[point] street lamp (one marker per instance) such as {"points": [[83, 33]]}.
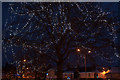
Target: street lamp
{"points": [[24, 60], [89, 51], [85, 60], [78, 50]]}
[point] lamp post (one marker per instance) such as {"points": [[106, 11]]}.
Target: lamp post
{"points": [[78, 50], [86, 60]]}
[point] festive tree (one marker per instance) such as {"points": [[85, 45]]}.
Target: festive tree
{"points": [[47, 30], [57, 29], [97, 30]]}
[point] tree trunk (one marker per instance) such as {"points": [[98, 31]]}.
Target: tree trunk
{"points": [[59, 70], [35, 75]]}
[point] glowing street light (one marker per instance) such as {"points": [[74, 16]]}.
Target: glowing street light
{"points": [[89, 51], [78, 50], [27, 68], [24, 60]]}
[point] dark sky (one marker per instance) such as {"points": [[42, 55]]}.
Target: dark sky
{"points": [[112, 7]]}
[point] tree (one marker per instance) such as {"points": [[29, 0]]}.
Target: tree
{"points": [[47, 30], [9, 70], [96, 30], [56, 29]]}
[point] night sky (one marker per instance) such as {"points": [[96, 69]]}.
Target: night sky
{"points": [[100, 56]]}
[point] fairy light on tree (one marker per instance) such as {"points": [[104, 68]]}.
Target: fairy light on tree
{"points": [[56, 29], [96, 20]]}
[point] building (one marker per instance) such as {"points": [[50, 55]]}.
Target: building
{"points": [[51, 74], [114, 72]]}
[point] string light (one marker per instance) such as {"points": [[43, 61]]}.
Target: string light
{"points": [[24, 28]]}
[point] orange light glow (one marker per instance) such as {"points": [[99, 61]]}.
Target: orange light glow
{"points": [[103, 72], [106, 72], [24, 60], [78, 50], [89, 51], [23, 76]]}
